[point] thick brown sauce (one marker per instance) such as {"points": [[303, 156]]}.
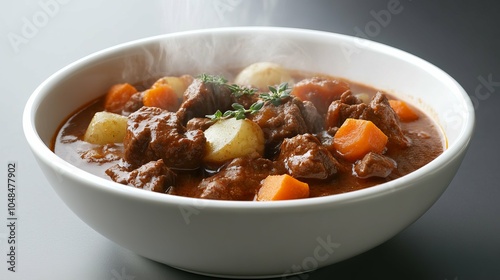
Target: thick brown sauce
{"points": [[428, 143]]}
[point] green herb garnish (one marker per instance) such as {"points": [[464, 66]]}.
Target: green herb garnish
{"points": [[239, 91], [214, 79], [276, 94], [238, 113]]}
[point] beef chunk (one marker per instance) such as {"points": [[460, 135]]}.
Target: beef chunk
{"points": [[348, 106], [133, 104], [153, 134], [246, 100], [314, 121], [384, 117], [199, 123], [374, 165], [239, 180], [326, 140], [349, 98], [201, 99], [378, 111], [304, 157], [280, 122], [152, 176]]}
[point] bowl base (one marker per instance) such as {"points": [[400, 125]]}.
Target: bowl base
{"points": [[231, 276]]}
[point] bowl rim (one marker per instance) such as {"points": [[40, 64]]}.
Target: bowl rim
{"points": [[44, 153]]}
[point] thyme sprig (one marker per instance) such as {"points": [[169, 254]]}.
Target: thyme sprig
{"points": [[238, 113], [214, 79], [276, 94], [239, 91], [235, 89]]}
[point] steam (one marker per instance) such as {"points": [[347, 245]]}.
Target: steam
{"points": [[207, 53], [199, 14]]}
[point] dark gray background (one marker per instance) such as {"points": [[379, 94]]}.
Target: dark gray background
{"points": [[457, 239]]}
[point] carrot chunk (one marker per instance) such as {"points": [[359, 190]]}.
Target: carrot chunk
{"points": [[117, 96], [161, 96], [355, 138], [403, 110], [282, 187]]}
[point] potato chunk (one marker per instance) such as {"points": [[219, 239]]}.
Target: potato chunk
{"points": [[178, 84], [232, 138], [106, 128], [262, 75]]}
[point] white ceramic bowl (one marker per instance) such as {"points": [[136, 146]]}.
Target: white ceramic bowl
{"points": [[249, 239]]}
